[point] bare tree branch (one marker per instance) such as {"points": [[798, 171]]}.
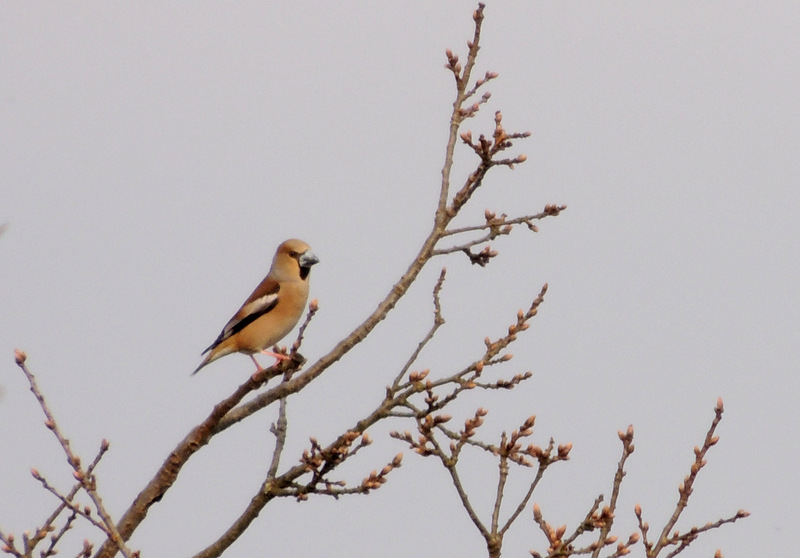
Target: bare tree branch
{"points": [[85, 477], [420, 396], [678, 540]]}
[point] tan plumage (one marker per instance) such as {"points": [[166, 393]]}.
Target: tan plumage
{"points": [[272, 310]]}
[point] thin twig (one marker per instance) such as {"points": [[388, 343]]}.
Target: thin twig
{"points": [[55, 538], [438, 321], [685, 539], [685, 489], [627, 449], [502, 477], [313, 307], [279, 429], [525, 499], [450, 464], [682, 541], [73, 507], [86, 477]]}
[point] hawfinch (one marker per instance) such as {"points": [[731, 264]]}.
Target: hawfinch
{"points": [[273, 309]]}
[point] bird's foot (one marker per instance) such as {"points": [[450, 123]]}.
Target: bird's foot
{"points": [[278, 356]]}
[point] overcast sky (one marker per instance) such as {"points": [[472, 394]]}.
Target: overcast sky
{"points": [[153, 155]]}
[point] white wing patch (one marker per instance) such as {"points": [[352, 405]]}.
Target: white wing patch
{"points": [[259, 305], [253, 309]]}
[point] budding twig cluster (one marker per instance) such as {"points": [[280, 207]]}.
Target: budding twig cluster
{"points": [[669, 538], [487, 150], [561, 545], [438, 393], [493, 348], [86, 482], [494, 226], [425, 397], [510, 449], [419, 382], [376, 479], [602, 519], [596, 519], [433, 438], [462, 76], [321, 461]]}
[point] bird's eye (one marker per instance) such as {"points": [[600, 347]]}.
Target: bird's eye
{"points": [[293, 254]]}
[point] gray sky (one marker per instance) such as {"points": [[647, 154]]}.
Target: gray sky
{"points": [[152, 157]]}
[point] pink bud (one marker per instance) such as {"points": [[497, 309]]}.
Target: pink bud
{"points": [[19, 357]]}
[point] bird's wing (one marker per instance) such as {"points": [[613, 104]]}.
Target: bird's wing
{"points": [[263, 300]]}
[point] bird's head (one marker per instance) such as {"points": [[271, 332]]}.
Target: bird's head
{"points": [[296, 255]]}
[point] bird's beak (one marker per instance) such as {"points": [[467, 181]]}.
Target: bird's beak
{"points": [[307, 259]]}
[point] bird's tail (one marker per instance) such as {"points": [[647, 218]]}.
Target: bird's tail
{"points": [[214, 352], [206, 360]]}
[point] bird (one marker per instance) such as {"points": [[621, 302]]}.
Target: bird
{"points": [[271, 311]]}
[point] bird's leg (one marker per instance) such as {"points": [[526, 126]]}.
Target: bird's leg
{"points": [[258, 366]]}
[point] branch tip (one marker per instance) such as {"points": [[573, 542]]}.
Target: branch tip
{"points": [[20, 357]]}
